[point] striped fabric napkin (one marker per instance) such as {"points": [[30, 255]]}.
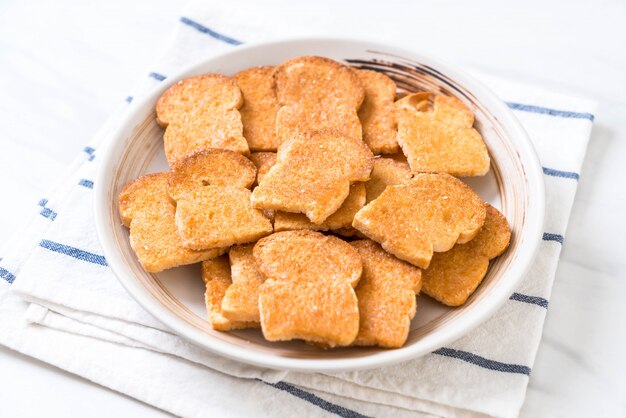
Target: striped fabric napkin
{"points": [[60, 303]]}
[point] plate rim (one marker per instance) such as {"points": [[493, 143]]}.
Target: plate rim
{"points": [[455, 330]]}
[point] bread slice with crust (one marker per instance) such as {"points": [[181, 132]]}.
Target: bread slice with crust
{"points": [[263, 162], [212, 202], [386, 172], [241, 301], [199, 113], [429, 213], [308, 292], [386, 294], [313, 174], [146, 208], [453, 276], [260, 107], [436, 134], [217, 280], [377, 112]]}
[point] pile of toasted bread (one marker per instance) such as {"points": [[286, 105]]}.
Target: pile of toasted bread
{"points": [[319, 203]]}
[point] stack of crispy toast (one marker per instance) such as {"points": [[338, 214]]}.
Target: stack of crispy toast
{"points": [[319, 203]]}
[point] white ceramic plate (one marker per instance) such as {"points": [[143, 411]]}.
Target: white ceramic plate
{"points": [[514, 185]]}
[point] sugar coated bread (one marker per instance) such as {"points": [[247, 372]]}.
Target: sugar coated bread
{"points": [[377, 112], [217, 280], [308, 292], [340, 221], [429, 213], [313, 174], [454, 275], [259, 109], [386, 294], [241, 301], [439, 136], [386, 172], [263, 162], [199, 113], [317, 93], [212, 202], [146, 208]]}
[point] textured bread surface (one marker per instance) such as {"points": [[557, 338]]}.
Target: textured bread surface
{"points": [[312, 175], [241, 302], [429, 213], [386, 295], [146, 208], [263, 162], [453, 276], [201, 112], [217, 280], [340, 221], [440, 137], [377, 112], [386, 172], [213, 206], [259, 109], [308, 292]]}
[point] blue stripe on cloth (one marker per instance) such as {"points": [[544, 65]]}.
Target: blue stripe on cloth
{"points": [[48, 213], [547, 236], [73, 252], [548, 111], [316, 400], [157, 76], [90, 151], [535, 300], [558, 173], [43, 202], [129, 99], [7, 275], [483, 362], [86, 183], [210, 32]]}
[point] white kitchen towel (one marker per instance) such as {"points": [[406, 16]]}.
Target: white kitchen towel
{"points": [[60, 303]]}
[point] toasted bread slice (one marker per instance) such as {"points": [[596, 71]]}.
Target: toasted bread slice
{"points": [[377, 112], [440, 137], [316, 94], [199, 113], [241, 301], [263, 162], [313, 174], [340, 221], [386, 172], [429, 213], [259, 109], [386, 295], [217, 279], [308, 293], [210, 214], [453, 276], [146, 208]]}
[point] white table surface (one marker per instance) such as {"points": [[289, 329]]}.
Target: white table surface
{"points": [[65, 65]]}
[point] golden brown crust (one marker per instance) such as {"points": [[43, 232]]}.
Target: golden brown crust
{"points": [[339, 221], [308, 293], [263, 162], [199, 113], [217, 279], [386, 172], [386, 295], [259, 109], [429, 213], [313, 174], [146, 208], [453, 276], [440, 137], [241, 301], [212, 204], [377, 112]]}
